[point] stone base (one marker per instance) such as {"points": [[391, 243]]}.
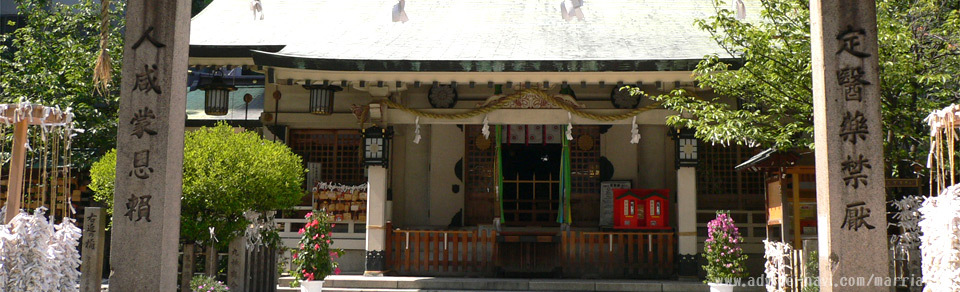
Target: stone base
{"points": [[375, 261]]}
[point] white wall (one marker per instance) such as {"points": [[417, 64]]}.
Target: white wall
{"points": [[446, 148]]}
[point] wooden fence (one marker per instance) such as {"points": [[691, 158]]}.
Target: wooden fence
{"points": [[439, 252], [582, 254], [618, 254]]}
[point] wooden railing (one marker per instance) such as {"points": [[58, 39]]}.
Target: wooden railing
{"points": [[618, 254], [439, 252]]}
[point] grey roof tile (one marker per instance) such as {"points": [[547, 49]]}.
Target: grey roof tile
{"points": [[473, 30]]}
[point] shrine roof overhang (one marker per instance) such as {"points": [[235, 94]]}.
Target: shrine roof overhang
{"points": [[262, 58], [769, 159]]}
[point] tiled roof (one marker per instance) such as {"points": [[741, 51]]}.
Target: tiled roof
{"points": [[463, 30]]}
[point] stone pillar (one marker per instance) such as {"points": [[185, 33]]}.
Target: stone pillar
{"points": [[687, 209], [212, 264], [376, 234], [687, 220], [146, 219], [189, 261], [851, 212], [237, 261], [91, 261]]}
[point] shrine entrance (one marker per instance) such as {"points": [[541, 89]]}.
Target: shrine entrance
{"points": [[531, 157]]}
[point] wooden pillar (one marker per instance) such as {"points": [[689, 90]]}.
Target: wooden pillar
{"points": [[795, 216], [15, 183]]}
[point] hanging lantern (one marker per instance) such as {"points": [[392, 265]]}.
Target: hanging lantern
{"points": [[376, 145], [321, 98], [686, 148], [217, 95]]}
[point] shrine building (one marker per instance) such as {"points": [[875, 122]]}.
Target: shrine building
{"points": [[494, 138]]}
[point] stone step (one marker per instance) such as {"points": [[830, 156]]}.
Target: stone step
{"points": [[287, 289], [404, 284], [285, 281]]}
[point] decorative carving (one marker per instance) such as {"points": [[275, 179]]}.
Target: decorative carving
{"points": [[532, 100], [442, 96]]}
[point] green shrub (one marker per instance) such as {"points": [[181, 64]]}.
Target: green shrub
{"points": [[207, 284]]}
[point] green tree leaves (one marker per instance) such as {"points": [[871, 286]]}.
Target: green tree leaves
{"points": [[769, 101], [226, 172], [50, 61]]}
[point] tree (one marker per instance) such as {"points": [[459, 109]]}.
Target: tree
{"points": [[225, 173], [769, 100], [50, 60]]}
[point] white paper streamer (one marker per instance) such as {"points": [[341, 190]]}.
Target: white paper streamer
{"points": [[329, 186], [569, 127], [416, 137], [940, 241], [634, 132], [38, 256], [486, 128]]}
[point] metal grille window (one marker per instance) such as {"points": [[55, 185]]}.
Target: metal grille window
{"points": [[337, 152], [719, 186]]}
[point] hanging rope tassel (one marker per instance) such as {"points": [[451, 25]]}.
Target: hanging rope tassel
{"points": [[102, 71]]}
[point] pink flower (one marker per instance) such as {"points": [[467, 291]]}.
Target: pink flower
{"points": [[301, 231], [316, 246], [315, 236], [308, 215], [333, 255], [321, 236], [333, 225], [336, 271], [328, 241], [294, 256]]}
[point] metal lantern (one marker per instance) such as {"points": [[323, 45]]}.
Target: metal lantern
{"points": [[376, 145], [321, 98], [217, 94], [686, 148]]}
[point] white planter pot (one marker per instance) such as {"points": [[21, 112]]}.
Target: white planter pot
{"points": [[717, 287], [311, 286]]}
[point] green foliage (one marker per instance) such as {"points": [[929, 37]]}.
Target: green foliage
{"points": [[314, 259], [102, 178], [813, 272], [50, 61], [725, 258], [919, 60], [225, 173], [207, 284]]}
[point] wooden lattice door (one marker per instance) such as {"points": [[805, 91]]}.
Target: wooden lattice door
{"points": [[479, 163], [585, 175]]}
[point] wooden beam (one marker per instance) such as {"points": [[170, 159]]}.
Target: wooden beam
{"points": [[16, 171]]}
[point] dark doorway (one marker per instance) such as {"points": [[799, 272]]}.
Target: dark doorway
{"points": [[531, 184]]}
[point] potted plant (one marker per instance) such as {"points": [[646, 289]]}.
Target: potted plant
{"points": [[725, 258], [314, 259]]}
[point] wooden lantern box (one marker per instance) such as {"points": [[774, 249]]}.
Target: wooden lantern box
{"points": [[641, 209]]}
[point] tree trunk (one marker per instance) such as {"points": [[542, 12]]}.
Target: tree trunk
{"points": [[189, 257], [211, 269]]}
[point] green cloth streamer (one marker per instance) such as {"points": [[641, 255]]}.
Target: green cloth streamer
{"points": [[499, 170], [565, 183]]}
